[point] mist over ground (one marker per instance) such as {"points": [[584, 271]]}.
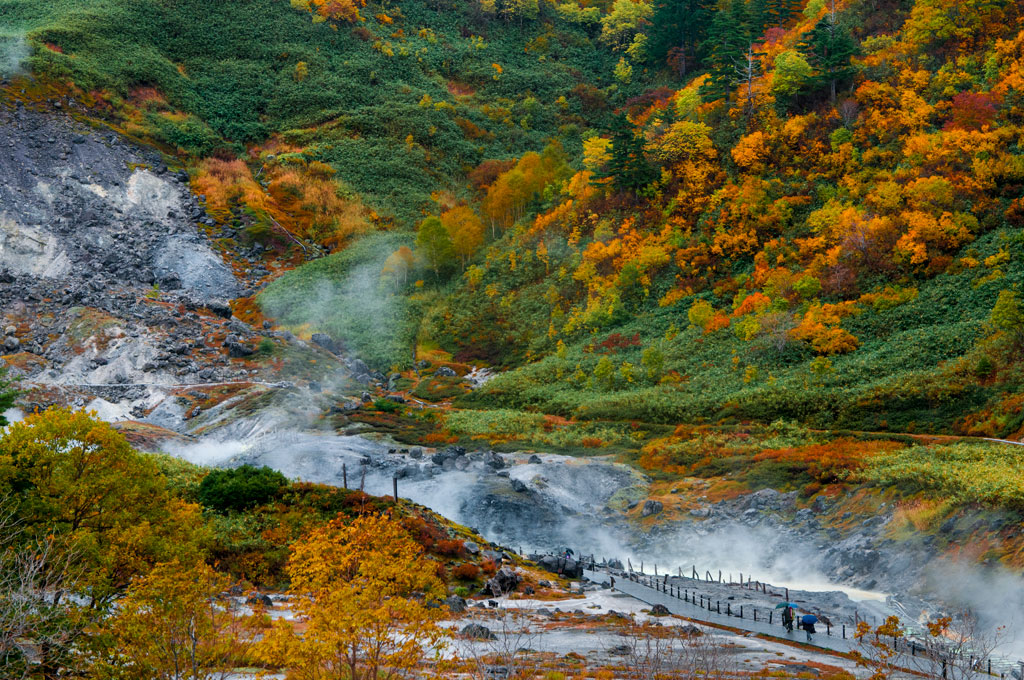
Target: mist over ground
{"points": [[564, 506], [14, 51]]}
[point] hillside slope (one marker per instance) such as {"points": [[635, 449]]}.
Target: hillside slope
{"points": [[778, 211]]}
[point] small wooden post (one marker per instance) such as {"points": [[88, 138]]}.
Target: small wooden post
{"points": [[787, 594], [655, 568], [755, 614], [844, 631], [394, 482], [771, 615], [344, 475], [741, 611], [719, 575], [728, 609], [718, 606]]}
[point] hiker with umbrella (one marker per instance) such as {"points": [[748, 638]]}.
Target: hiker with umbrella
{"points": [[787, 615], [807, 621]]}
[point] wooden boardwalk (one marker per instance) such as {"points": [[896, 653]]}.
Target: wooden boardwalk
{"points": [[691, 610]]}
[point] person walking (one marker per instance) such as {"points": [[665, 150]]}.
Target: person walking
{"points": [[787, 619], [808, 624]]}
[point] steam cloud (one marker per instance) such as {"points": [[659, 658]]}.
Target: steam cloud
{"points": [[14, 50]]}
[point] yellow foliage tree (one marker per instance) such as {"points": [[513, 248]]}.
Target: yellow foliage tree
{"points": [[75, 476], [465, 230], [354, 586], [174, 624], [751, 151]]}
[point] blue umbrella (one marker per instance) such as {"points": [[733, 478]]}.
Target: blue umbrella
{"points": [[808, 619]]}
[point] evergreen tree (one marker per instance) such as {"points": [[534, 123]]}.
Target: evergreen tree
{"points": [[677, 29], [728, 37], [628, 167], [765, 14], [829, 46]]}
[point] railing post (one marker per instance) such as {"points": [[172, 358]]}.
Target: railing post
{"points": [[844, 631]]}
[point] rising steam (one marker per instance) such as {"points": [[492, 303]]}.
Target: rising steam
{"points": [[14, 51]]}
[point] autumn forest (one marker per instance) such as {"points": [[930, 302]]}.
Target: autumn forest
{"points": [[730, 246]]}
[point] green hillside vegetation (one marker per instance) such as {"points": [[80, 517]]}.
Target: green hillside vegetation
{"points": [[662, 212], [464, 88]]}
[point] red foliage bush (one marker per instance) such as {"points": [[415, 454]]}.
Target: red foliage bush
{"points": [[616, 341], [830, 462], [466, 572], [971, 111], [449, 548], [484, 174]]}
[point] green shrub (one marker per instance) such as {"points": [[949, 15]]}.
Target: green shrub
{"points": [[386, 406], [240, 488]]}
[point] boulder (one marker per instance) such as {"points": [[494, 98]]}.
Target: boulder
{"points": [[505, 581], [455, 604], [493, 460], [561, 565], [236, 348], [660, 610], [475, 631], [471, 547], [534, 460], [651, 508], [218, 307], [519, 487], [261, 600], [445, 372]]}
